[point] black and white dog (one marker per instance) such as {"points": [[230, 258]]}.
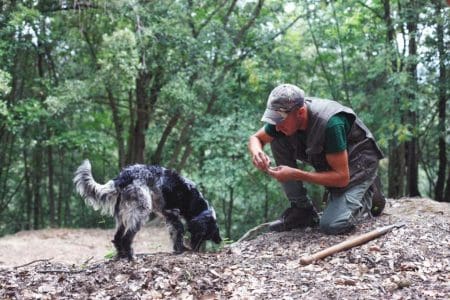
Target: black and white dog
{"points": [[139, 190]]}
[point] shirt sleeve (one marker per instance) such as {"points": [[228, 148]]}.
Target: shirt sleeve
{"points": [[272, 131], [336, 134]]}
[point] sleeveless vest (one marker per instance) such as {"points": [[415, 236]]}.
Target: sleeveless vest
{"points": [[363, 151]]}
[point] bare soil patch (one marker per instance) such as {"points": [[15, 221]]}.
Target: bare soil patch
{"points": [[412, 262], [74, 246]]}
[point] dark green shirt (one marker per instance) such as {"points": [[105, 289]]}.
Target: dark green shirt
{"points": [[335, 133]]}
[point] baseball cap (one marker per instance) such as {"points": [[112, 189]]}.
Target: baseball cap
{"points": [[282, 100]]}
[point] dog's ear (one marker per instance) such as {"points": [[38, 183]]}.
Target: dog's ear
{"points": [[204, 227], [213, 230], [196, 226]]}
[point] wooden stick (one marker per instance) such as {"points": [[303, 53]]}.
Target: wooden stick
{"points": [[350, 243], [255, 231], [32, 262]]}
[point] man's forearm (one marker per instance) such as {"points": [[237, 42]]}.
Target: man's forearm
{"points": [[254, 145], [326, 178]]}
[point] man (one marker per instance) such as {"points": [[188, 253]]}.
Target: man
{"points": [[331, 138]]}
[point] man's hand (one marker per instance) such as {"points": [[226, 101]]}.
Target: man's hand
{"points": [[283, 173], [256, 144], [261, 160]]}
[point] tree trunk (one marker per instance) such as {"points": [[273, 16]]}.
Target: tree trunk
{"points": [[51, 193], [447, 189], [36, 186], [61, 184], [28, 192], [6, 161], [136, 146], [396, 149], [118, 126], [183, 141], [266, 203], [412, 176], [184, 158], [229, 212], [342, 54], [442, 87], [157, 156], [328, 77]]}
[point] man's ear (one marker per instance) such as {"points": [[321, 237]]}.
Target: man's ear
{"points": [[301, 111]]}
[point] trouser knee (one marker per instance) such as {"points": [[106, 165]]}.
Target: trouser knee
{"points": [[333, 227]]}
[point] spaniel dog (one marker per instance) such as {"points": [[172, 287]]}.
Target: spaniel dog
{"points": [[139, 190]]}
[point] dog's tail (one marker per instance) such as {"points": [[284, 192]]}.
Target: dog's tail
{"points": [[99, 196]]}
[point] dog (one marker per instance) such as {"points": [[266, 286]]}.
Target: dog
{"points": [[139, 190]]}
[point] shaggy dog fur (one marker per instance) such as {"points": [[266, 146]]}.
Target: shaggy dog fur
{"points": [[141, 189]]}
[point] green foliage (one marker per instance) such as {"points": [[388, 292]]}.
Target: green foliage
{"points": [[68, 91], [118, 59], [111, 254], [5, 79]]}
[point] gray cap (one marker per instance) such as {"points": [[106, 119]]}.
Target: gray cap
{"points": [[282, 100]]}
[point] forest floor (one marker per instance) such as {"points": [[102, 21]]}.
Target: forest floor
{"points": [[412, 262]]}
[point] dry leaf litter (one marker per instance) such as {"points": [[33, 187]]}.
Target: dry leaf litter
{"points": [[412, 262]]}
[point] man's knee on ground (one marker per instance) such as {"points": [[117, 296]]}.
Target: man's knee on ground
{"points": [[333, 227]]}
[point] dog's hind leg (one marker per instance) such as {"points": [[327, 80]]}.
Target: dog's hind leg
{"points": [[133, 211], [127, 241], [123, 239], [117, 241], [176, 229]]}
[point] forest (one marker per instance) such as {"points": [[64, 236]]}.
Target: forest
{"points": [[184, 83]]}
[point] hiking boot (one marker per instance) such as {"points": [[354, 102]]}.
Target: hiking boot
{"points": [[378, 199], [295, 217]]}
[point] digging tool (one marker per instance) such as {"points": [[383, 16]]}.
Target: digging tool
{"points": [[350, 243]]}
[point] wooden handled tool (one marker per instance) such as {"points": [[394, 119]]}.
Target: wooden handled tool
{"points": [[350, 243]]}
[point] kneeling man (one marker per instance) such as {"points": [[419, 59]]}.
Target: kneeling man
{"points": [[331, 138]]}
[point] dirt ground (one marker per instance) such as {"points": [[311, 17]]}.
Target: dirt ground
{"points": [[74, 246], [411, 262]]}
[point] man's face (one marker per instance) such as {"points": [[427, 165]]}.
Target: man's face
{"points": [[293, 122]]}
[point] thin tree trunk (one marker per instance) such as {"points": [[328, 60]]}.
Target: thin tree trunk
{"points": [[396, 168], [442, 87], [184, 158], [51, 193], [28, 191], [447, 189], [342, 54], [157, 156], [61, 183], [36, 186], [327, 76], [183, 141], [118, 126], [266, 203], [5, 168], [412, 178], [229, 212]]}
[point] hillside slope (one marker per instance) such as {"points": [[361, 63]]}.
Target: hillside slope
{"points": [[410, 262]]}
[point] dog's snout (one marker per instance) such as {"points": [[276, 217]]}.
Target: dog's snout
{"points": [[217, 240], [216, 237]]}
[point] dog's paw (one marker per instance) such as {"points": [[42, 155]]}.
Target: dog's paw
{"points": [[172, 213], [180, 249]]}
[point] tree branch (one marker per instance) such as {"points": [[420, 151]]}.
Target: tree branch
{"points": [[371, 9], [241, 33], [76, 6]]}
